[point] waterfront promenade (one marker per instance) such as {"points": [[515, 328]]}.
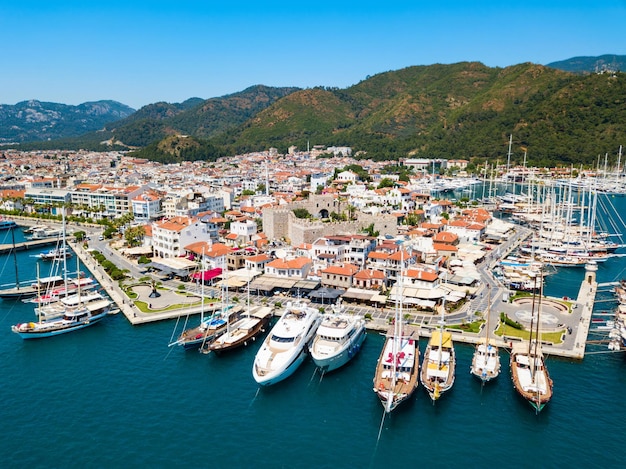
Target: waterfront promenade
{"points": [[574, 322]]}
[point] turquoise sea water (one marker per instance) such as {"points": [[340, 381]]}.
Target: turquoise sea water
{"points": [[115, 394]]}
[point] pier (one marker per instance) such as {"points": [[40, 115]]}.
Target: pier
{"points": [[26, 245]]}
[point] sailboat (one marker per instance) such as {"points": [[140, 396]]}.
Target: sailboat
{"points": [[20, 291], [528, 369], [244, 329], [486, 359], [209, 328], [73, 317], [395, 379], [439, 363]]}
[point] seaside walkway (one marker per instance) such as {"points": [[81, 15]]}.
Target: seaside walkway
{"points": [[573, 345]]}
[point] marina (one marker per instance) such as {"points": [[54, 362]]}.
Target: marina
{"points": [[115, 356]]}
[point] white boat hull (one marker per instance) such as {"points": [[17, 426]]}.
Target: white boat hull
{"points": [[42, 332], [332, 362]]}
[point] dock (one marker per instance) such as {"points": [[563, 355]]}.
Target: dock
{"points": [[26, 245]]}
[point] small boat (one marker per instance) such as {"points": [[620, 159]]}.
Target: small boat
{"points": [[45, 232], [243, 330], [7, 224], [338, 339], [54, 292], [486, 359], [439, 364], [285, 347], [530, 375], [208, 330], [55, 254]]}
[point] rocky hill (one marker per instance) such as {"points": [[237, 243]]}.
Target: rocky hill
{"points": [[33, 120]]}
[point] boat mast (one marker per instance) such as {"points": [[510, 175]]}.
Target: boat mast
{"points": [[397, 336], [532, 318], [535, 357], [63, 251], [17, 279], [488, 313], [508, 162]]}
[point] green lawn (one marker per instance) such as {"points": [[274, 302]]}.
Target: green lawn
{"points": [[552, 337]]}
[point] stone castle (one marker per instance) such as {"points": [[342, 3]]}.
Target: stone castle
{"points": [[280, 222]]}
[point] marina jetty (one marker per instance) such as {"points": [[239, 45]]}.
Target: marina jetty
{"points": [[569, 317], [26, 245]]}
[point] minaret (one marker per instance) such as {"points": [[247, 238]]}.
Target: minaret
{"points": [[267, 178]]}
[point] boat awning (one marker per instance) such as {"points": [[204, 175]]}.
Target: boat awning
{"points": [[446, 340]]}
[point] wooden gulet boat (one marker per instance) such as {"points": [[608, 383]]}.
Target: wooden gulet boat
{"points": [[438, 368], [530, 376], [396, 376]]}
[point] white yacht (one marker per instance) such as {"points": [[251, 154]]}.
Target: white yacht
{"points": [[338, 339], [285, 347]]}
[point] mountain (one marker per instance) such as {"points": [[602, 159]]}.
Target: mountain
{"points": [[465, 110], [603, 63], [33, 120], [204, 118]]}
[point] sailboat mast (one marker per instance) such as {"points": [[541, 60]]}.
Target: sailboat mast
{"points": [[17, 279], [532, 316], [63, 252], [488, 313], [533, 369]]}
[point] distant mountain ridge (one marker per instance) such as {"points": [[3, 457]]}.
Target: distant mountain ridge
{"points": [[34, 120], [201, 118], [602, 63]]}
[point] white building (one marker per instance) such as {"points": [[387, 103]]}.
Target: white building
{"points": [[170, 236]]}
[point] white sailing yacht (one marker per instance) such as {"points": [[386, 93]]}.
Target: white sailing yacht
{"points": [[486, 359], [72, 318]]}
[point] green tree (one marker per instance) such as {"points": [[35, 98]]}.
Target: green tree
{"points": [[386, 182], [301, 213]]}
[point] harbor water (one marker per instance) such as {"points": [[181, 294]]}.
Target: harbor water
{"points": [[114, 394]]}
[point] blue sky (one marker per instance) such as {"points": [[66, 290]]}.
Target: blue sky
{"points": [[141, 52]]}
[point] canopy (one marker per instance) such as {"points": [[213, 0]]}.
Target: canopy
{"points": [[436, 338], [207, 275], [323, 294], [360, 294]]}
